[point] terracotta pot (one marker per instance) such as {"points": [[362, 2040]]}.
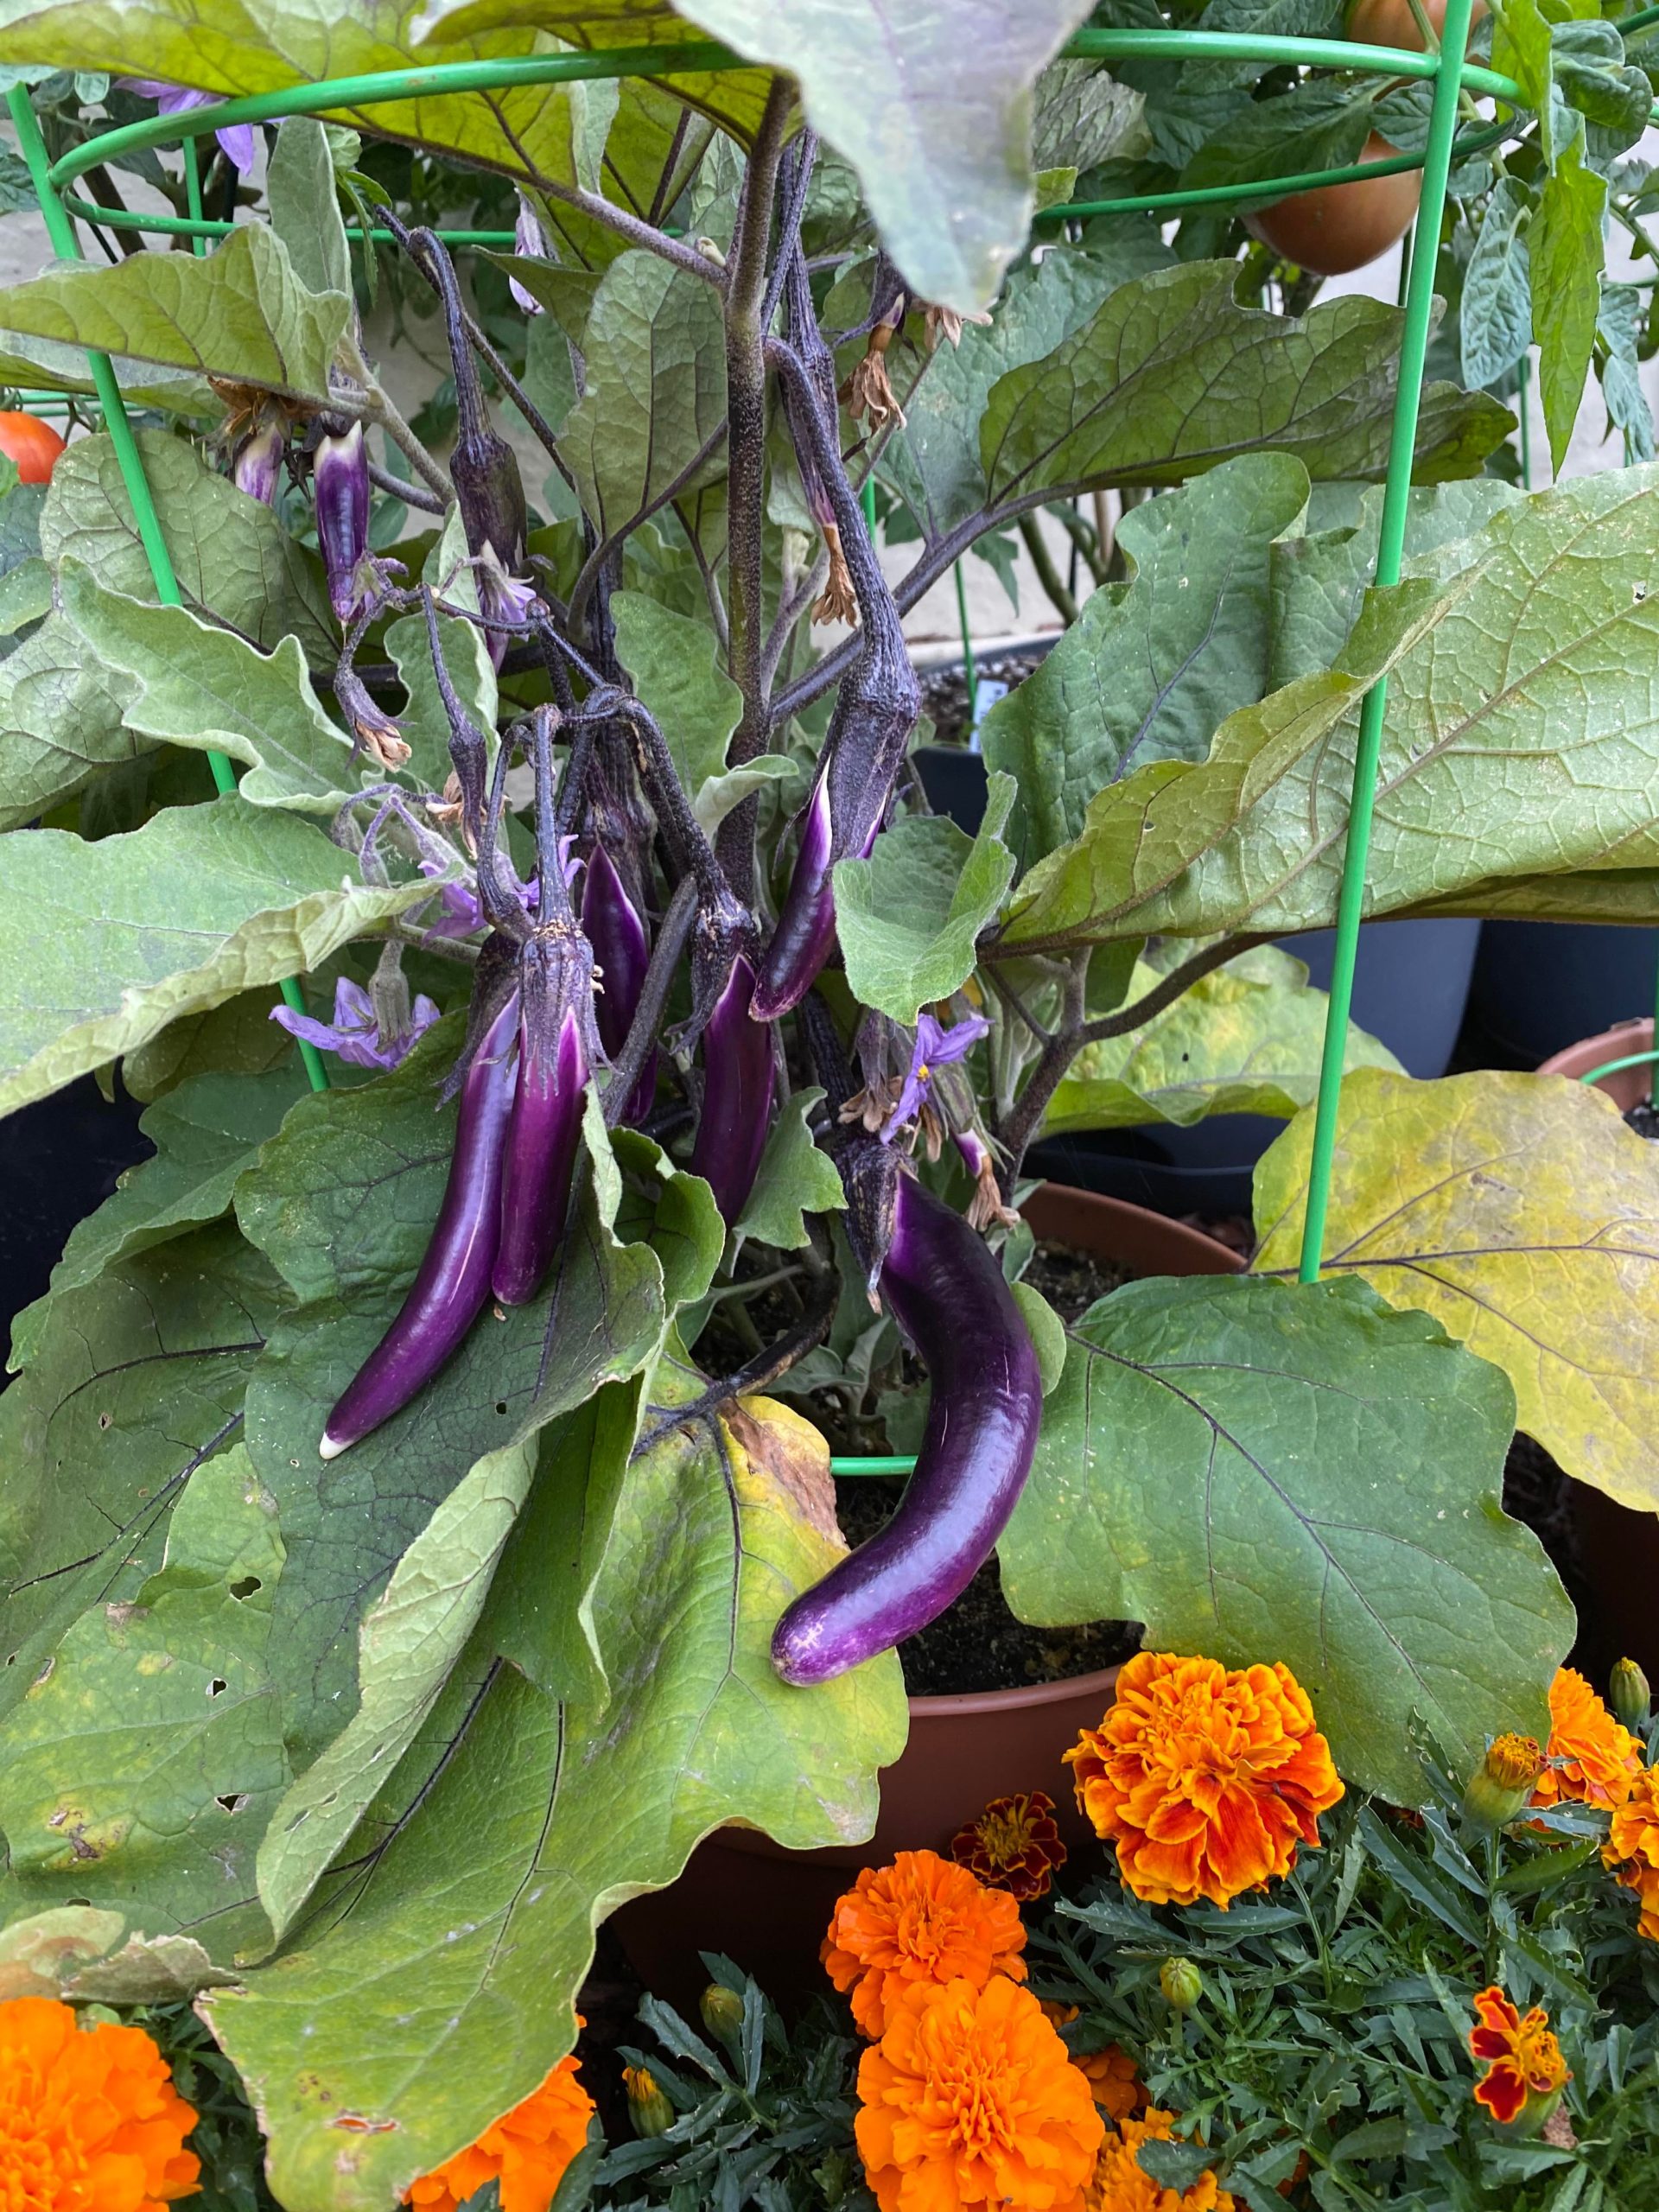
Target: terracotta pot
{"points": [[1629, 1086], [1618, 1547], [768, 1908]]}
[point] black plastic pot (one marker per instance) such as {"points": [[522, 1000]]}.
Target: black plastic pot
{"points": [[1540, 985]]}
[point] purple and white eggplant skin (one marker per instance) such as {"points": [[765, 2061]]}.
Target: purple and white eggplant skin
{"points": [[342, 479], [613, 926], [257, 468], [947, 1292], [737, 1094], [539, 1156], [453, 1280]]}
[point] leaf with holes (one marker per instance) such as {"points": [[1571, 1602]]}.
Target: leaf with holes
{"points": [[446, 1988], [139, 1773], [1522, 1213], [1316, 1480]]}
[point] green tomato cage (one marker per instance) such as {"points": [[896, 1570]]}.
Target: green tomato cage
{"points": [[1455, 86]]}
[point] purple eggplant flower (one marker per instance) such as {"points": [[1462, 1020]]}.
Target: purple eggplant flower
{"points": [[530, 242], [501, 598], [460, 912], [237, 143], [353, 1033], [936, 1047]]}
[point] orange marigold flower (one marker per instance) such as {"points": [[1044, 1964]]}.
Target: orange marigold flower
{"points": [[1592, 1758], [1013, 1845], [920, 1920], [1523, 2060], [527, 2151], [1632, 1848], [1113, 2081], [1122, 2184], [969, 2100], [1207, 1779], [90, 2120]]}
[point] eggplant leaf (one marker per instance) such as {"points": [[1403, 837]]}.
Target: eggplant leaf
{"points": [[233, 559], [1317, 1482], [444, 1988], [1171, 376], [205, 1134], [1520, 1212], [1150, 671], [909, 918], [60, 722], [342, 1203], [794, 1179], [140, 1770], [675, 664], [304, 202], [102, 945], [1246, 1038], [239, 313]]}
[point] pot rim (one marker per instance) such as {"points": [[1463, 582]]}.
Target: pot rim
{"points": [[1101, 1682], [1622, 1034]]}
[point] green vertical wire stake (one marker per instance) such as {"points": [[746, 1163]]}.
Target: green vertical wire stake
{"points": [[970, 671], [66, 246], [1391, 540]]}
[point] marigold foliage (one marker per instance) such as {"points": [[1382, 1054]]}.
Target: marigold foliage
{"points": [[90, 2120], [1632, 1848], [1592, 1759], [1523, 2060], [1014, 1845], [1121, 2184], [1207, 1779], [969, 2100], [920, 1920], [1113, 2081], [527, 2151]]}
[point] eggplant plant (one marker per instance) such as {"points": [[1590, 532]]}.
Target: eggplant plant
{"points": [[416, 1522]]}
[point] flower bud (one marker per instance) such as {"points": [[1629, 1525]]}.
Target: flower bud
{"points": [[722, 2012], [648, 2108], [1630, 1697], [1504, 1782], [1181, 1983]]}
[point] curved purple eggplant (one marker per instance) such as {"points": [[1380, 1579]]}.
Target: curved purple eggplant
{"points": [[540, 1153], [613, 926], [340, 476], [453, 1280], [737, 1088], [948, 1294]]}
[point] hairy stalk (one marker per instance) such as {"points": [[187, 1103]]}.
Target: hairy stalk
{"points": [[583, 590], [759, 1372], [1059, 598], [412, 495], [1017, 1129], [377, 407]]}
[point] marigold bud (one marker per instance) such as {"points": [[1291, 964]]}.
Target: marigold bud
{"points": [[648, 2108], [1504, 1780], [1181, 1983], [722, 2012], [1630, 1696]]}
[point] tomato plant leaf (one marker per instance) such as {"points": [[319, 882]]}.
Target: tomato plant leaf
{"points": [[1520, 1212], [1317, 1483], [1564, 257], [1495, 320]]}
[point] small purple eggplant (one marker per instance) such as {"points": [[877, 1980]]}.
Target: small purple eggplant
{"points": [[737, 1095], [257, 468], [948, 1295], [614, 927], [540, 1155], [453, 1280], [342, 479]]}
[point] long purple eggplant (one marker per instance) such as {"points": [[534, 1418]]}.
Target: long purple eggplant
{"points": [[613, 926], [540, 1153], [340, 477], [947, 1294], [737, 1091], [453, 1280]]}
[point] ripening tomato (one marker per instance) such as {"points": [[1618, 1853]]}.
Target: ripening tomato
{"points": [[1390, 23], [33, 445], [1341, 226]]}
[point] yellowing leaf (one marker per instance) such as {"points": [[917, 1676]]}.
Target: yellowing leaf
{"points": [[1522, 1213]]}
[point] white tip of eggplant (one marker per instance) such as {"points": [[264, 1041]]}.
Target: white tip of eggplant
{"points": [[331, 1446]]}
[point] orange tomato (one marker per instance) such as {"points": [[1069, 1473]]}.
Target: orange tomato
{"points": [[1390, 23], [33, 445], [1341, 226]]}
